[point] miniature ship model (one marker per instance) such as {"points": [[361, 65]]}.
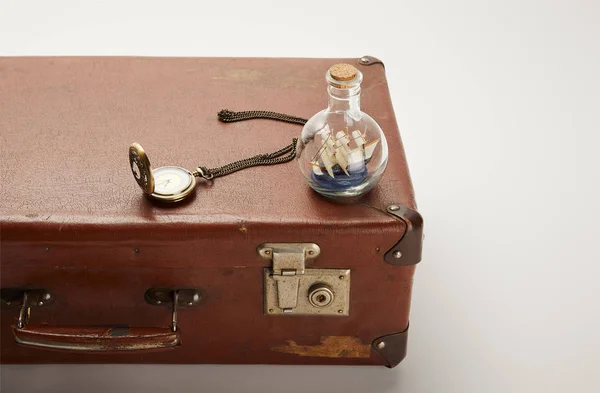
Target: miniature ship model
{"points": [[343, 154]]}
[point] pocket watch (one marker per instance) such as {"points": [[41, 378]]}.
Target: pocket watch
{"points": [[167, 183]]}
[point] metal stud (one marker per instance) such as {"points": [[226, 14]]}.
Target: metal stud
{"points": [[394, 208], [397, 254], [364, 60], [380, 345]]}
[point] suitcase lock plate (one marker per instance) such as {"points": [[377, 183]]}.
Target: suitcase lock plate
{"points": [[293, 289]]}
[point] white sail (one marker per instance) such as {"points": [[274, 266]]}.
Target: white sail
{"points": [[342, 159], [324, 135], [342, 141], [339, 150], [370, 148], [328, 162], [356, 160], [359, 139]]}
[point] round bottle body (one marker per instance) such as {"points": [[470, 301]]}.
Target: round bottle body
{"points": [[342, 153]]}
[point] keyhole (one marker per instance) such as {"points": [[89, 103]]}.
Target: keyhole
{"points": [[320, 295]]}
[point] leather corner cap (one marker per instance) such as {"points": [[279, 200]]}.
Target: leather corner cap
{"points": [[392, 347], [370, 60], [409, 248]]}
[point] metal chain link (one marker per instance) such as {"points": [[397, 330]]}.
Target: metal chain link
{"points": [[227, 116], [274, 158]]}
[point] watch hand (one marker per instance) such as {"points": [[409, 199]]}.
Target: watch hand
{"points": [[164, 183]]}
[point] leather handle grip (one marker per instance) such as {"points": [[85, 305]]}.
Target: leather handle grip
{"points": [[92, 338]]}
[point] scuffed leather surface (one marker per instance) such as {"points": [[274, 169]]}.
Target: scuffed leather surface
{"points": [[74, 221], [67, 123]]}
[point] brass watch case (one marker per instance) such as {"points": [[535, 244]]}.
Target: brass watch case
{"points": [[144, 176], [139, 160]]}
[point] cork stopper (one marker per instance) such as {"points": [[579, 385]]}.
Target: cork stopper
{"points": [[343, 72]]}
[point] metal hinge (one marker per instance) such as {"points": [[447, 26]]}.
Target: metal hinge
{"points": [[291, 288]]}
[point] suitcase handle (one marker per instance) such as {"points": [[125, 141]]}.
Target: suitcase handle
{"points": [[92, 338]]}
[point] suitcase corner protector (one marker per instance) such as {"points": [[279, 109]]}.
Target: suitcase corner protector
{"points": [[408, 250], [370, 60], [392, 347]]}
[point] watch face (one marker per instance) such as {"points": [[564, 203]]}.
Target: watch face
{"points": [[170, 180], [140, 167], [172, 183]]}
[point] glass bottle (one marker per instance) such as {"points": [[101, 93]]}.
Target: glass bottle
{"points": [[342, 151]]}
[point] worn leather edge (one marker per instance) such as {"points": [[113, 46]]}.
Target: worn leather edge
{"points": [[392, 348], [369, 61], [409, 248]]}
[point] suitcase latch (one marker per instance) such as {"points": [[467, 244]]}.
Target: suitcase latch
{"points": [[293, 289]]}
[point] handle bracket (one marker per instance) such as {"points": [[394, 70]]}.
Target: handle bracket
{"points": [[186, 297], [13, 297]]}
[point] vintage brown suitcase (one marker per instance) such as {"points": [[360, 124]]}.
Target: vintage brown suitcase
{"points": [[94, 272]]}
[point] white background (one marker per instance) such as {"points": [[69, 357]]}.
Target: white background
{"points": [[498, 104]]}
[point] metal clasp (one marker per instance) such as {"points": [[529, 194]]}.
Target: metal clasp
{"points": [[292, 288], [289, 261]]}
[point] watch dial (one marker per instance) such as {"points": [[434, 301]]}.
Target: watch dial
{"points": [[171, 180]]}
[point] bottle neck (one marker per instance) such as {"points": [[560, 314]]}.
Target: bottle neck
{"points": [[344, 100]]}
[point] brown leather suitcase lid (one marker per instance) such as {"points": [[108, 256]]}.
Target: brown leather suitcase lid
{"points": [[67, 124]]}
